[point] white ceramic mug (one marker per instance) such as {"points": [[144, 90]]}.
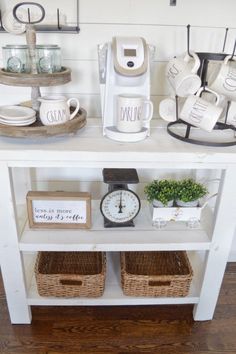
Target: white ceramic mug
{"points": [[181, 74], [225, 81], [132, 112], [167, 109], [200, 112], [56, 109]]}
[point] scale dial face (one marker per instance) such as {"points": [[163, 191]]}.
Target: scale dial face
{"points": [[120, 206]]}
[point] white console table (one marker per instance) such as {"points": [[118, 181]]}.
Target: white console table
{"points": [[88, 149]]}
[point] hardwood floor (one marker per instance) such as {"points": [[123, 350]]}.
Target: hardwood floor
{"points": [[141, 329]]}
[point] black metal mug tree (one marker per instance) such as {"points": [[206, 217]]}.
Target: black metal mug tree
{"points": [[205, 58]]}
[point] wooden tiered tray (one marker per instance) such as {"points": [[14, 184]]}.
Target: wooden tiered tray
{"points": [[38, 130], [34, 80]]}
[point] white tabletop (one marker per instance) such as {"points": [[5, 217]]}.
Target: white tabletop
{"points": [[90, 145]]}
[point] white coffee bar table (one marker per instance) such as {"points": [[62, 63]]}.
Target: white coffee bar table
{"points": [[208, 246]]}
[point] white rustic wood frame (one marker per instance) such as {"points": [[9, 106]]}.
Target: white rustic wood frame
{"points": [[62, 198]]}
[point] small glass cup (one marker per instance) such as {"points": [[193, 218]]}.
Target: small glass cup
{"points": [[48, 58], [16, 58]]}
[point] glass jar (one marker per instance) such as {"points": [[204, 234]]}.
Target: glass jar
{"points": [[16, 58], [48, 58]]}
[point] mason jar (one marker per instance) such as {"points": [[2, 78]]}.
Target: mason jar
{"points": [[16, 58], [48, 58]]}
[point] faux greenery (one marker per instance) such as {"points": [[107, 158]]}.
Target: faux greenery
{"points": [[189, 190], [162, 190]]}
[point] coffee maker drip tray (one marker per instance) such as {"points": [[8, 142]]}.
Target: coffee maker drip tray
{"points": [[114, 134]]}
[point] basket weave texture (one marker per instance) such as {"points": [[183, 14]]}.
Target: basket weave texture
{"points": [[166, 274], [70, 274]]}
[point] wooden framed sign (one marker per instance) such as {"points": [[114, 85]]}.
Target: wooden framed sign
{"points": [[59, 210]]}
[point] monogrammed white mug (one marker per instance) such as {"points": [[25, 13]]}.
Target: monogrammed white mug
{"points": [[225, 81], [132, 112], [181, 74], [55, 110], [201, 113]]}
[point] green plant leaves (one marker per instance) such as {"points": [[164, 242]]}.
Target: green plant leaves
{"points": [[165, 190]]}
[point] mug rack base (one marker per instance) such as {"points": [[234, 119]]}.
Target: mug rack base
{"points": [[114, 134], [38, 130], [222, 135]]}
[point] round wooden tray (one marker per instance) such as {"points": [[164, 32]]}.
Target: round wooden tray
{"points": [[34, 80], [38, 130]]}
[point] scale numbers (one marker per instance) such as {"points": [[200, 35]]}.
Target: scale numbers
{"points": [[120, 206]]}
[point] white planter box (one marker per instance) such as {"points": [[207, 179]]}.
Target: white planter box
{"points": [[176, 213]]}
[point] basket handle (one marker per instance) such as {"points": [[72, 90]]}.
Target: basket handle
{"points": [[71, 282], [159, 283]]}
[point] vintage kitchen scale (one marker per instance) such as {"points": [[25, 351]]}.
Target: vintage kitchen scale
{"points": [[124, 68], [35, 81], [120, 205]]}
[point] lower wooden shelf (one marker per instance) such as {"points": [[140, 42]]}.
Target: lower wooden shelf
{"points": [[113, 295]]}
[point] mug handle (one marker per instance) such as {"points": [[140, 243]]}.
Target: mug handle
{"points": [[196, 59], [76, 108], [211, 91], [229, 57], [148, 104]]}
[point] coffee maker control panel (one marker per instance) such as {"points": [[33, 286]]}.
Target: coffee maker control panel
{"points": [[130, 55]]}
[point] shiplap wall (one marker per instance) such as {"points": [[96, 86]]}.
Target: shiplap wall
{"points": [[160, 24]]}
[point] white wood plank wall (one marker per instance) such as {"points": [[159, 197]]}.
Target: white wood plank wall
{"points": [[159, 23], [162, 25]]}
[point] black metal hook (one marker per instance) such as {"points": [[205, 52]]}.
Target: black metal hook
{"points": [[1, 26], [227, 111], [204, 73], [58, 20], [28, 11], [188, 40], [225, 39], [176, 107], [231, 58]]}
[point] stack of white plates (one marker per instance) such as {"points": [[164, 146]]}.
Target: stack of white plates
{"points": [[17, 115]]}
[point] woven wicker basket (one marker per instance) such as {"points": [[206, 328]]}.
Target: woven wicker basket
{"points": [[166, 274], [70, 274]]}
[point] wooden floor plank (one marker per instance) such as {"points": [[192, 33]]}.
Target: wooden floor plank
{"points": [[121, 330]]}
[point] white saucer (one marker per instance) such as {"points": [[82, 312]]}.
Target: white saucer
{"points": [[12, 120], [114, 134], [16, 113], [19, 123]]}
